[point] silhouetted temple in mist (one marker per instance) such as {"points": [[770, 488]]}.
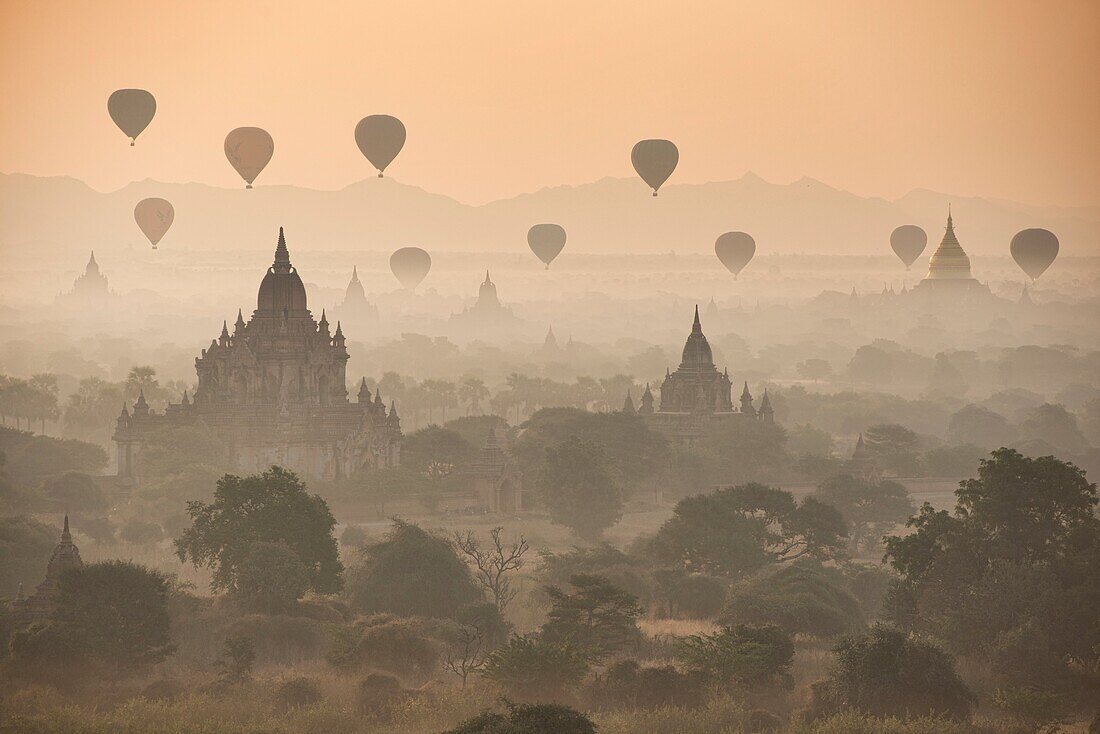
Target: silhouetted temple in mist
{"points": [[38, 606], [274, 391], [697, 394]]}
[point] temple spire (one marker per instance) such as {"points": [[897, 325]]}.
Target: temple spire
{"points": [[66, 536], [282, 255], [696, 328]]}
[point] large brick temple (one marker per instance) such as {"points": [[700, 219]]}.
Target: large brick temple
{"points": [[274, 391]]}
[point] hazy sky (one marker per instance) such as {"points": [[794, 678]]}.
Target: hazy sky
{"points": [[997, 99]]}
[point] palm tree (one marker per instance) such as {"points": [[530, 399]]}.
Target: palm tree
{"points": [[472, 391]]}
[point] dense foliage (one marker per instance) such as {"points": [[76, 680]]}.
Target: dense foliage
{"points": [[271, 507]]}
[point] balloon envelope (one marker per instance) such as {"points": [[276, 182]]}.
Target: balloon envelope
{"points": [[546, 241], [1034, 250], [410, 265], [735, 249], [380, 138], [908, 242], [154, 217], [654, 160], [132, 110], [249, 149]]}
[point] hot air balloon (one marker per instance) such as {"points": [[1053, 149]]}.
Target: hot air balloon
{"points": [[154, 216], [654, 160], [908, 242], [1034, 250], [546, 241], [410, 265], [735, 249], [380, 138], [248, 150], [132, 110]]}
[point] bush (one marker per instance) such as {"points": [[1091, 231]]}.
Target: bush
{"points": [[409, 647], [804, 598], [596, 616], [695, 596], [885, 673], [626, 572], [630, 685], [531, 719], [378, 692], [530, 668], [742, 655], [1030, 706], [411, 573], [353, 536], [298, 692]]}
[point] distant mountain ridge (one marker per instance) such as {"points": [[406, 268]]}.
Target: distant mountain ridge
{"points": [[55, 214]]}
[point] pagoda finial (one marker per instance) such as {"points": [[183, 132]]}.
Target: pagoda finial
{"points": [[339, 335], [66, 536], [487, 276], [282, 255], [696, 327]]}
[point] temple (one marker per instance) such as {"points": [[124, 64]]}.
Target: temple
{"points": [[497, 481], [39, 605], [355, 308], [274, 391], [949, 269], [89, 289], [697, 394], [487, 319]]}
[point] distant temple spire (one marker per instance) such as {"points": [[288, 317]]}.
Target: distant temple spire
{"points": [[628, 404], [282, 255]]}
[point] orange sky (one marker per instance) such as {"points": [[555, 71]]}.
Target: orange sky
{"points": [[997, 98]]}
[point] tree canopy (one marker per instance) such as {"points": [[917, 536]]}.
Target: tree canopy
{"points": [[271, 507], [411, 572], [737, 530], [578, 490]]}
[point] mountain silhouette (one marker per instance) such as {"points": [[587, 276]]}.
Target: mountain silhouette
{"points": [[56, 214]]}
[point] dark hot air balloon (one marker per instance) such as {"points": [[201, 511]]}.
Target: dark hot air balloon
{"points": [[154, 217], [1034, 250], [908, 242], [410, 265], [132, 110], [735, 249], [654, 160], [249, 149], [546, 241], [380, 138]]}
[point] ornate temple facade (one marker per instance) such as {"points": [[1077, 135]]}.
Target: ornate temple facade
{"points": [[38, 606], [90, 289], [274, 391], [949, 269], [697, 394]]}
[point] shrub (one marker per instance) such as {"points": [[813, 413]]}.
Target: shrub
{"points": [[695, 596], [298, 692], [546, 718], [411, 573], [530, 668], [885, 673], [74, 491], [378, 692], [804, 598], [353, 536], [630, 685], [409, 647], [743, 655], [1030, 706]]}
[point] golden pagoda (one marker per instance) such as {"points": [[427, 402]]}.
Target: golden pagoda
{"points": [[949, 266]]}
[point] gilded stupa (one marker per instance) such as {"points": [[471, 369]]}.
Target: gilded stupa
{"points": [[949, 267]]}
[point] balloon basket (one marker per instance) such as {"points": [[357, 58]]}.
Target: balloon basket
{"points": [[248, 186], [379, 174], [131, 143], [654, 193]]}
